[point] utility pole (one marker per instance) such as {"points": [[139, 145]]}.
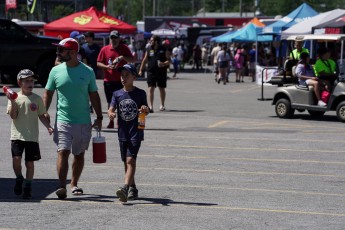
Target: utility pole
{"points": [[241, 8], [192, 7], [143, 10], [154, 8]]}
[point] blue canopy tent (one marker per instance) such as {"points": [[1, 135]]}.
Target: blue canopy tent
{"points": [[215, 39], [303, 12], [245, 34]]}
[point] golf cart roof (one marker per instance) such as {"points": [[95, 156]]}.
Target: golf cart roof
{"points": [[319, 37]]}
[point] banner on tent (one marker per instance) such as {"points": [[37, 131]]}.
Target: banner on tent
{"points": [[265, 74]]}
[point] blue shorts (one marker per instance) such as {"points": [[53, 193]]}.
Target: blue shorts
{"points": [[129, 149]]}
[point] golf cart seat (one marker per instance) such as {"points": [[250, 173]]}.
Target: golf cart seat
{"points": [[286, 76]]}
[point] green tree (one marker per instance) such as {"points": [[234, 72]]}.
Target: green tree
{"points": [[60, 11]]}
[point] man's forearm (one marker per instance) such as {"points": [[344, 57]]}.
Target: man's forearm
{"points": [[47, 99], [96, 103]]}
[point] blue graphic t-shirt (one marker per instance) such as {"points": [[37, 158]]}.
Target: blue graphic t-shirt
{"points": [[128, 105]]}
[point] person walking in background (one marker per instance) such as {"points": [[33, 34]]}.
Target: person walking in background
{"points": [[112, 56], [231, 63], [75, 84], [91, 50], [239, 64], [158, 60], [214, 53], [179, 54], [252, 62], [204, 55], [25, 111], [128, 102], [197, 57], [223, 59]]}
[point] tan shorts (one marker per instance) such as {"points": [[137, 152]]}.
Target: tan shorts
{"points": [[72, 137]]}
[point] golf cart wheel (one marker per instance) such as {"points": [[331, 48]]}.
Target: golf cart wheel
{"points": [[341, 111], [314, 113], [283, 108]]}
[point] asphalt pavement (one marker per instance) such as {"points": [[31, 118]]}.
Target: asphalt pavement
{"points": [[217, 158]]}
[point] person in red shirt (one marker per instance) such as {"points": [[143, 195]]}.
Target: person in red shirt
{"points": [[111, 57]]}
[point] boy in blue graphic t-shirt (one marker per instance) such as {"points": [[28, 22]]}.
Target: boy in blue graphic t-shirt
{"points": [[128, 102]]}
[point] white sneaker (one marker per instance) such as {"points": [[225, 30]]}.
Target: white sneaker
{"points": [[162, 108], [321, 103]]}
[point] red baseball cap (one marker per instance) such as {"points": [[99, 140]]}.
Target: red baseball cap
{"points": [[68, 43]]}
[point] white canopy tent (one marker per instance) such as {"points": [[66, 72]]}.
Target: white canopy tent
{"points": [[305, 27]]}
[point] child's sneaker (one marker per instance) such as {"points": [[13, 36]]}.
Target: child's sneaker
{"points": [[61, 193], [18, 189], [27, 193], [132, 193], [122, 194], [321, 103]]}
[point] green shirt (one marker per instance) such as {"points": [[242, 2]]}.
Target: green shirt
{"points": [[297, 54], [73, 85], [328, 66], [25, 126]]}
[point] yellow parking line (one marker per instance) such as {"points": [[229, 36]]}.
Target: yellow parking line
{"points": [[274, 211], [245, 159], [228, 171], [273, 125], [200, 206], [251, 148], [248, 172], [217, 124], [304, 193], [258, 139]]}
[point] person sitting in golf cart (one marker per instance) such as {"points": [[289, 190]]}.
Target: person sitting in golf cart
{"points": [[306, 76], [325, 68]]}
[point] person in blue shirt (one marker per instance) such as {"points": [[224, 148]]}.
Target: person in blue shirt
{"points": [[128, 102], [91, 51], [252, 62]]}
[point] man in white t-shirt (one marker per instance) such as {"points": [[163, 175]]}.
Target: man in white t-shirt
{"points": [[178, 53], [214, 53]]}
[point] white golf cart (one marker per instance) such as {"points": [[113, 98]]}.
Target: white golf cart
{"points": [[289, 98]]}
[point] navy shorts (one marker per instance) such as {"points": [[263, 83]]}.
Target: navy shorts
{"points": [[32, 150], [129, 149], [110, 87]]}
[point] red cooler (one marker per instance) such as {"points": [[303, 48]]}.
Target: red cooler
{"points": [[99, 150]]}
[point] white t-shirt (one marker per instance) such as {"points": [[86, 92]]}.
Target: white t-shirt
{"points": [[214, 53], [178, 53]]}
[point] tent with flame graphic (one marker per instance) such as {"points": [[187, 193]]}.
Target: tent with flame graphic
{"points": [[88, 20]]}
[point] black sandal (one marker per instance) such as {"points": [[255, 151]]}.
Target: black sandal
{"points": [[77, 191]]}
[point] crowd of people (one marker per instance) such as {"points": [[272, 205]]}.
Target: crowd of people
{"points": [[74, 76]]}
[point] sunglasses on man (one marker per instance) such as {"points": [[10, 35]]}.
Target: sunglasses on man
{"points": [[61, 49], [113, 37]]}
